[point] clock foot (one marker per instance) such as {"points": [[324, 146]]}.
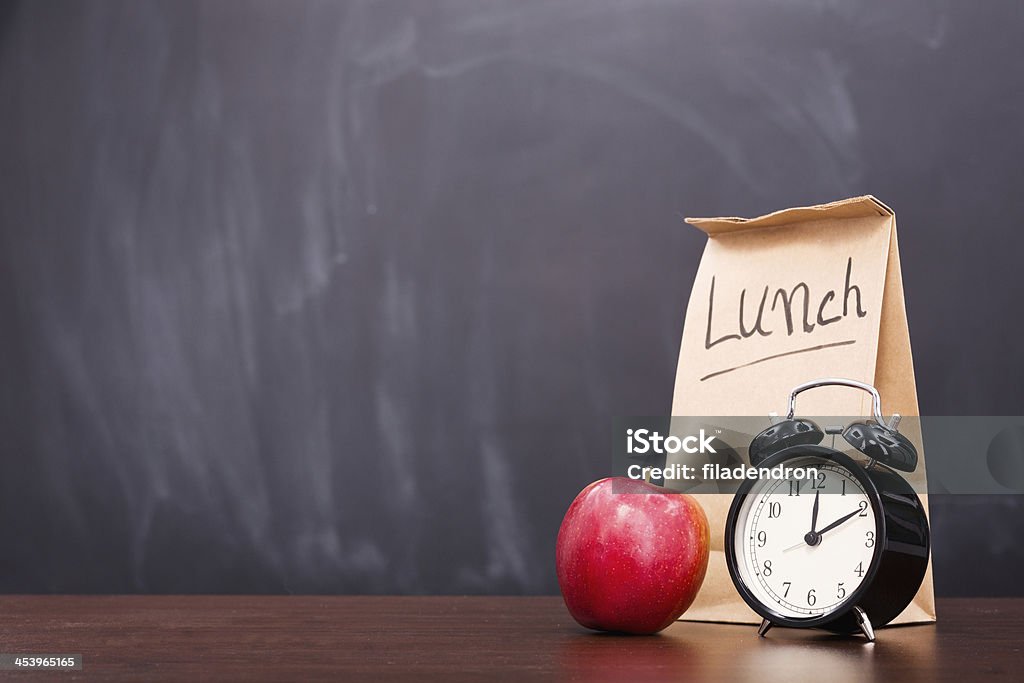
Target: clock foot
{"points": [[864, 623], [764, 627]]}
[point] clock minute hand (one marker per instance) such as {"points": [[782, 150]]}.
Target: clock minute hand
{"points": [[812, 537], [839, 521]]}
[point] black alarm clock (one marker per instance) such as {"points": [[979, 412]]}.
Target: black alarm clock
{"points": [[841, 551]]}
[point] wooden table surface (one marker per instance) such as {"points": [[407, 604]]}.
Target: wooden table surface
{"points": [[181, 638]]}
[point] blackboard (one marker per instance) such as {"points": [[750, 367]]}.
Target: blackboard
{"points": [[342, 296]]}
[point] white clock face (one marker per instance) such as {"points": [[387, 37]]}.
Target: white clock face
{"points": [[794, 571]]}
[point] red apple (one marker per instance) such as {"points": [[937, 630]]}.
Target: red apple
{"points": [[631, 556]]}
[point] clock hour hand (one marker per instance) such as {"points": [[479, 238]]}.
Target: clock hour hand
{"points": [[839, 521], [812, 537], [814, 512]]}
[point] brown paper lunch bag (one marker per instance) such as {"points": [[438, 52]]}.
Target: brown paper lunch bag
{"points": [[779, 300]]}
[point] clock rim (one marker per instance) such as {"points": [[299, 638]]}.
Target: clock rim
{"points": [[874, 499]]}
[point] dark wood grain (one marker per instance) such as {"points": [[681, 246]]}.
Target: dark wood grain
{"points": [[177, 638]]}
